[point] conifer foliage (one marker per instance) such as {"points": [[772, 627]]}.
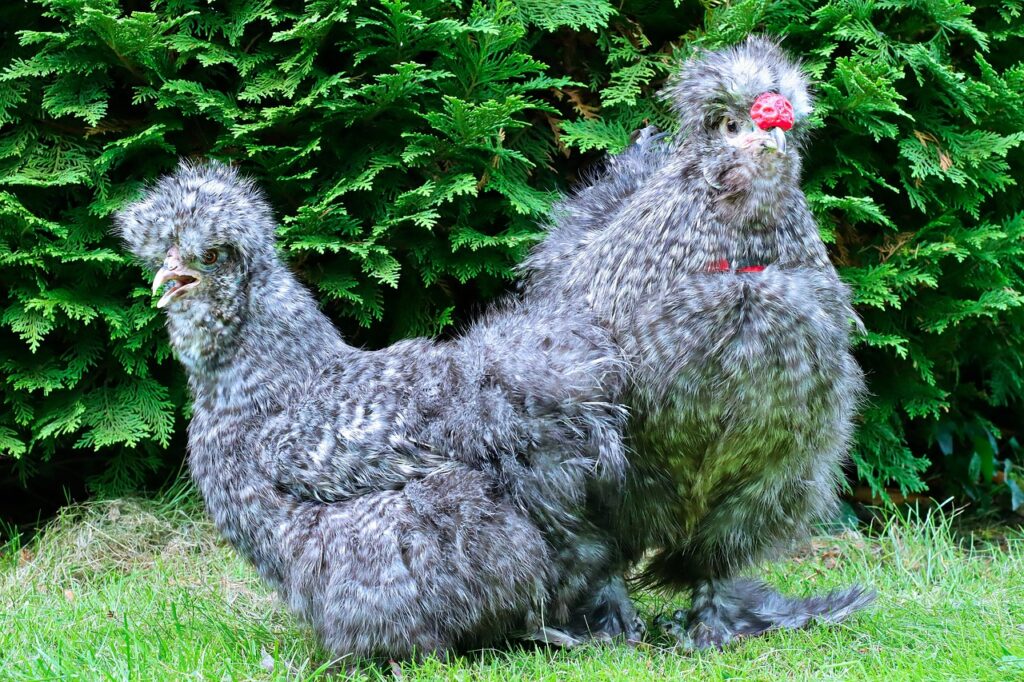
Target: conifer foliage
{"points": [[396, 137], [412, 146]]}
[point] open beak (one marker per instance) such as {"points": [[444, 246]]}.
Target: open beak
{"points": [[176, 277]]}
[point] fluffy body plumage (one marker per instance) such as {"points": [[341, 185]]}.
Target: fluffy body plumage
{"points": [[423, 497], [702, 256]]}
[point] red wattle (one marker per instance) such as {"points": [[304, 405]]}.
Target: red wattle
{"points": [[723, 266], [772, 110]]}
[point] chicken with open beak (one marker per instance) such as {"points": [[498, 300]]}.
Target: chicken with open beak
{"points": [[433, 495]]}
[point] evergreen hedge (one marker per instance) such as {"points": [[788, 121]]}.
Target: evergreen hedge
{"points": [[412, 146]]}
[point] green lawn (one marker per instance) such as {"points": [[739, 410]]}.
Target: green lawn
{"points": [[132, 589]]}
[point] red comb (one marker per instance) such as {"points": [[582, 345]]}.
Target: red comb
{"points": [[772, 110]]}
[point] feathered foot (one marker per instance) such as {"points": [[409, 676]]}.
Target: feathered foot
{"points": [[605, 614], [723, 610], [608, 614]]}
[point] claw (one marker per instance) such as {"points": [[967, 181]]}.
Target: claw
{"points": [[553, 636], [674, 626], [635, 630]]}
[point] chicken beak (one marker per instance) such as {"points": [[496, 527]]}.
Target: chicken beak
{"points": [[778, 136], [181, 278]]}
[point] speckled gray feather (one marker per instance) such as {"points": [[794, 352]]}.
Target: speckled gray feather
{"points": [[743, 387], [420, 498]]}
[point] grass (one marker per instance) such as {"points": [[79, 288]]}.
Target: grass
{"points": [[143, 589]]}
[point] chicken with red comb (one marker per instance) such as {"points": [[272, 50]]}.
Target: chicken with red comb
{"points": [[700, 253]]}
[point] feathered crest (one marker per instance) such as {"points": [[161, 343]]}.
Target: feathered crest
{"points": [[711, 84], [200, 205]]}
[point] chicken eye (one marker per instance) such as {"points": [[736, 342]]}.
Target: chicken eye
{"points": [[729, 126], [211, 258]]}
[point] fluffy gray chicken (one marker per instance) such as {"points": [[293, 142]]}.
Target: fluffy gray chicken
{"points": [[425, 497], [702, 256]]}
